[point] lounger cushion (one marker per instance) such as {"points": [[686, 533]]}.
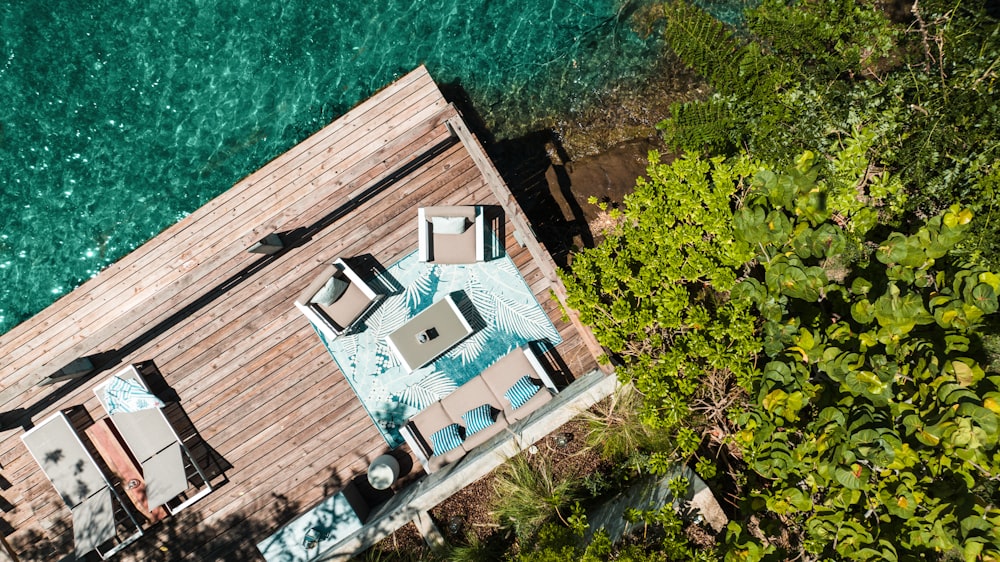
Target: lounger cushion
{"points": [[478, 419], [449, 225], [446, 439], [165, 476], [521, 391], [58, 450], [94, 522], [330, 292], [147, 432]]}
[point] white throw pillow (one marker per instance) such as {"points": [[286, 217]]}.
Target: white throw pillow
{"points": [[449, 225]]}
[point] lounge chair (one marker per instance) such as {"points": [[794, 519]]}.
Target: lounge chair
{"points": [[173, 477], [337, 299], [96, 506], [451, 235]]}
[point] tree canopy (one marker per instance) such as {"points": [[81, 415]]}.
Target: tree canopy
{"points": [[870, 428]]}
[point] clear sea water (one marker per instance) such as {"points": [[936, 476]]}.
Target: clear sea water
{"points": [[120, 117]]}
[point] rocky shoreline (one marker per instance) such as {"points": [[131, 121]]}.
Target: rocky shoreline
{"points": [[598, 152]]}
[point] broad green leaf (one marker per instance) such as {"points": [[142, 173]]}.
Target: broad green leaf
{"points": [[991, 279], [983, 417], [853, 477], [860, 286], [863, 311], [966, 371], [984, 297], [992, 403]]}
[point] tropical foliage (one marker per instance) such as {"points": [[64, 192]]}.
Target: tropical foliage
{"points": [[873, 427], [654, 290], [808, 75], [827, 245], [870, 429]]}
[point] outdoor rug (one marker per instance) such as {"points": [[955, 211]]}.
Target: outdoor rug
{"points": [[492, 296]]}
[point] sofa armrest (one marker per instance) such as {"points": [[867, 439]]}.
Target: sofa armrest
{"points": [[416, 443], [543, 375]]}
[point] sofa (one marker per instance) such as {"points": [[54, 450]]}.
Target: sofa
{"points": [[437, 424]]}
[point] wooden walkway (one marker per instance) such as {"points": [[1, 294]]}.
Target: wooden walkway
{"points": [[277, 421]]}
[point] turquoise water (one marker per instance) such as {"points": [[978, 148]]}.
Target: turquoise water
{"points": [[119, 118]]}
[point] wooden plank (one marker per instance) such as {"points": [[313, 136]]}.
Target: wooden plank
{"points": [[160, 281], [388, 156]]}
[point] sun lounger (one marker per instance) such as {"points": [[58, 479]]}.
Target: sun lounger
{"points": [[451, 235], [172, 476], [336, 299], [96, 506]]}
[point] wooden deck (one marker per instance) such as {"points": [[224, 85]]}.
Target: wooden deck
{"points": [[275, 417]]}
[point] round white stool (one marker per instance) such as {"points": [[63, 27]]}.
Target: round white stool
{"points": [[383, 472]]}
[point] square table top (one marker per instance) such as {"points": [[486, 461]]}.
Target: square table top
{"points": [[443, 317]]}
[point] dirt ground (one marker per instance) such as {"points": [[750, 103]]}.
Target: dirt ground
{"points": [[468, 511]]}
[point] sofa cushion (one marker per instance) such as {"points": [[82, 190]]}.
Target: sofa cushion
{"points": [[427, 421], [478, 418], [331, 291], [454, 248], [483, 435], [451, 248], [446, 439], [345, 310], [501, 375], [473, 393], [521, 391]]}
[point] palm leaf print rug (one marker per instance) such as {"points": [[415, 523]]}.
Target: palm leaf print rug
{"points": [[492, 296]]}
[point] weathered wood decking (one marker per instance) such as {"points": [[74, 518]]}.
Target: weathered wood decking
{"points": [[275, 416]]}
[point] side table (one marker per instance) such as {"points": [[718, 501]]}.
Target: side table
{"points": [[383, 471]]}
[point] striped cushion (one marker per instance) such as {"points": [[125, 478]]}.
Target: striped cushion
{"points": [[521, 392], [445, 439], [478, 419]]}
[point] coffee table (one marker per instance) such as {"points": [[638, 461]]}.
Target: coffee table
{"points": [[429, 334]]}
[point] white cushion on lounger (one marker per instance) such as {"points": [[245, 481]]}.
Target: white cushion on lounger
{"points": [[165, 476], [94, 521]]}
